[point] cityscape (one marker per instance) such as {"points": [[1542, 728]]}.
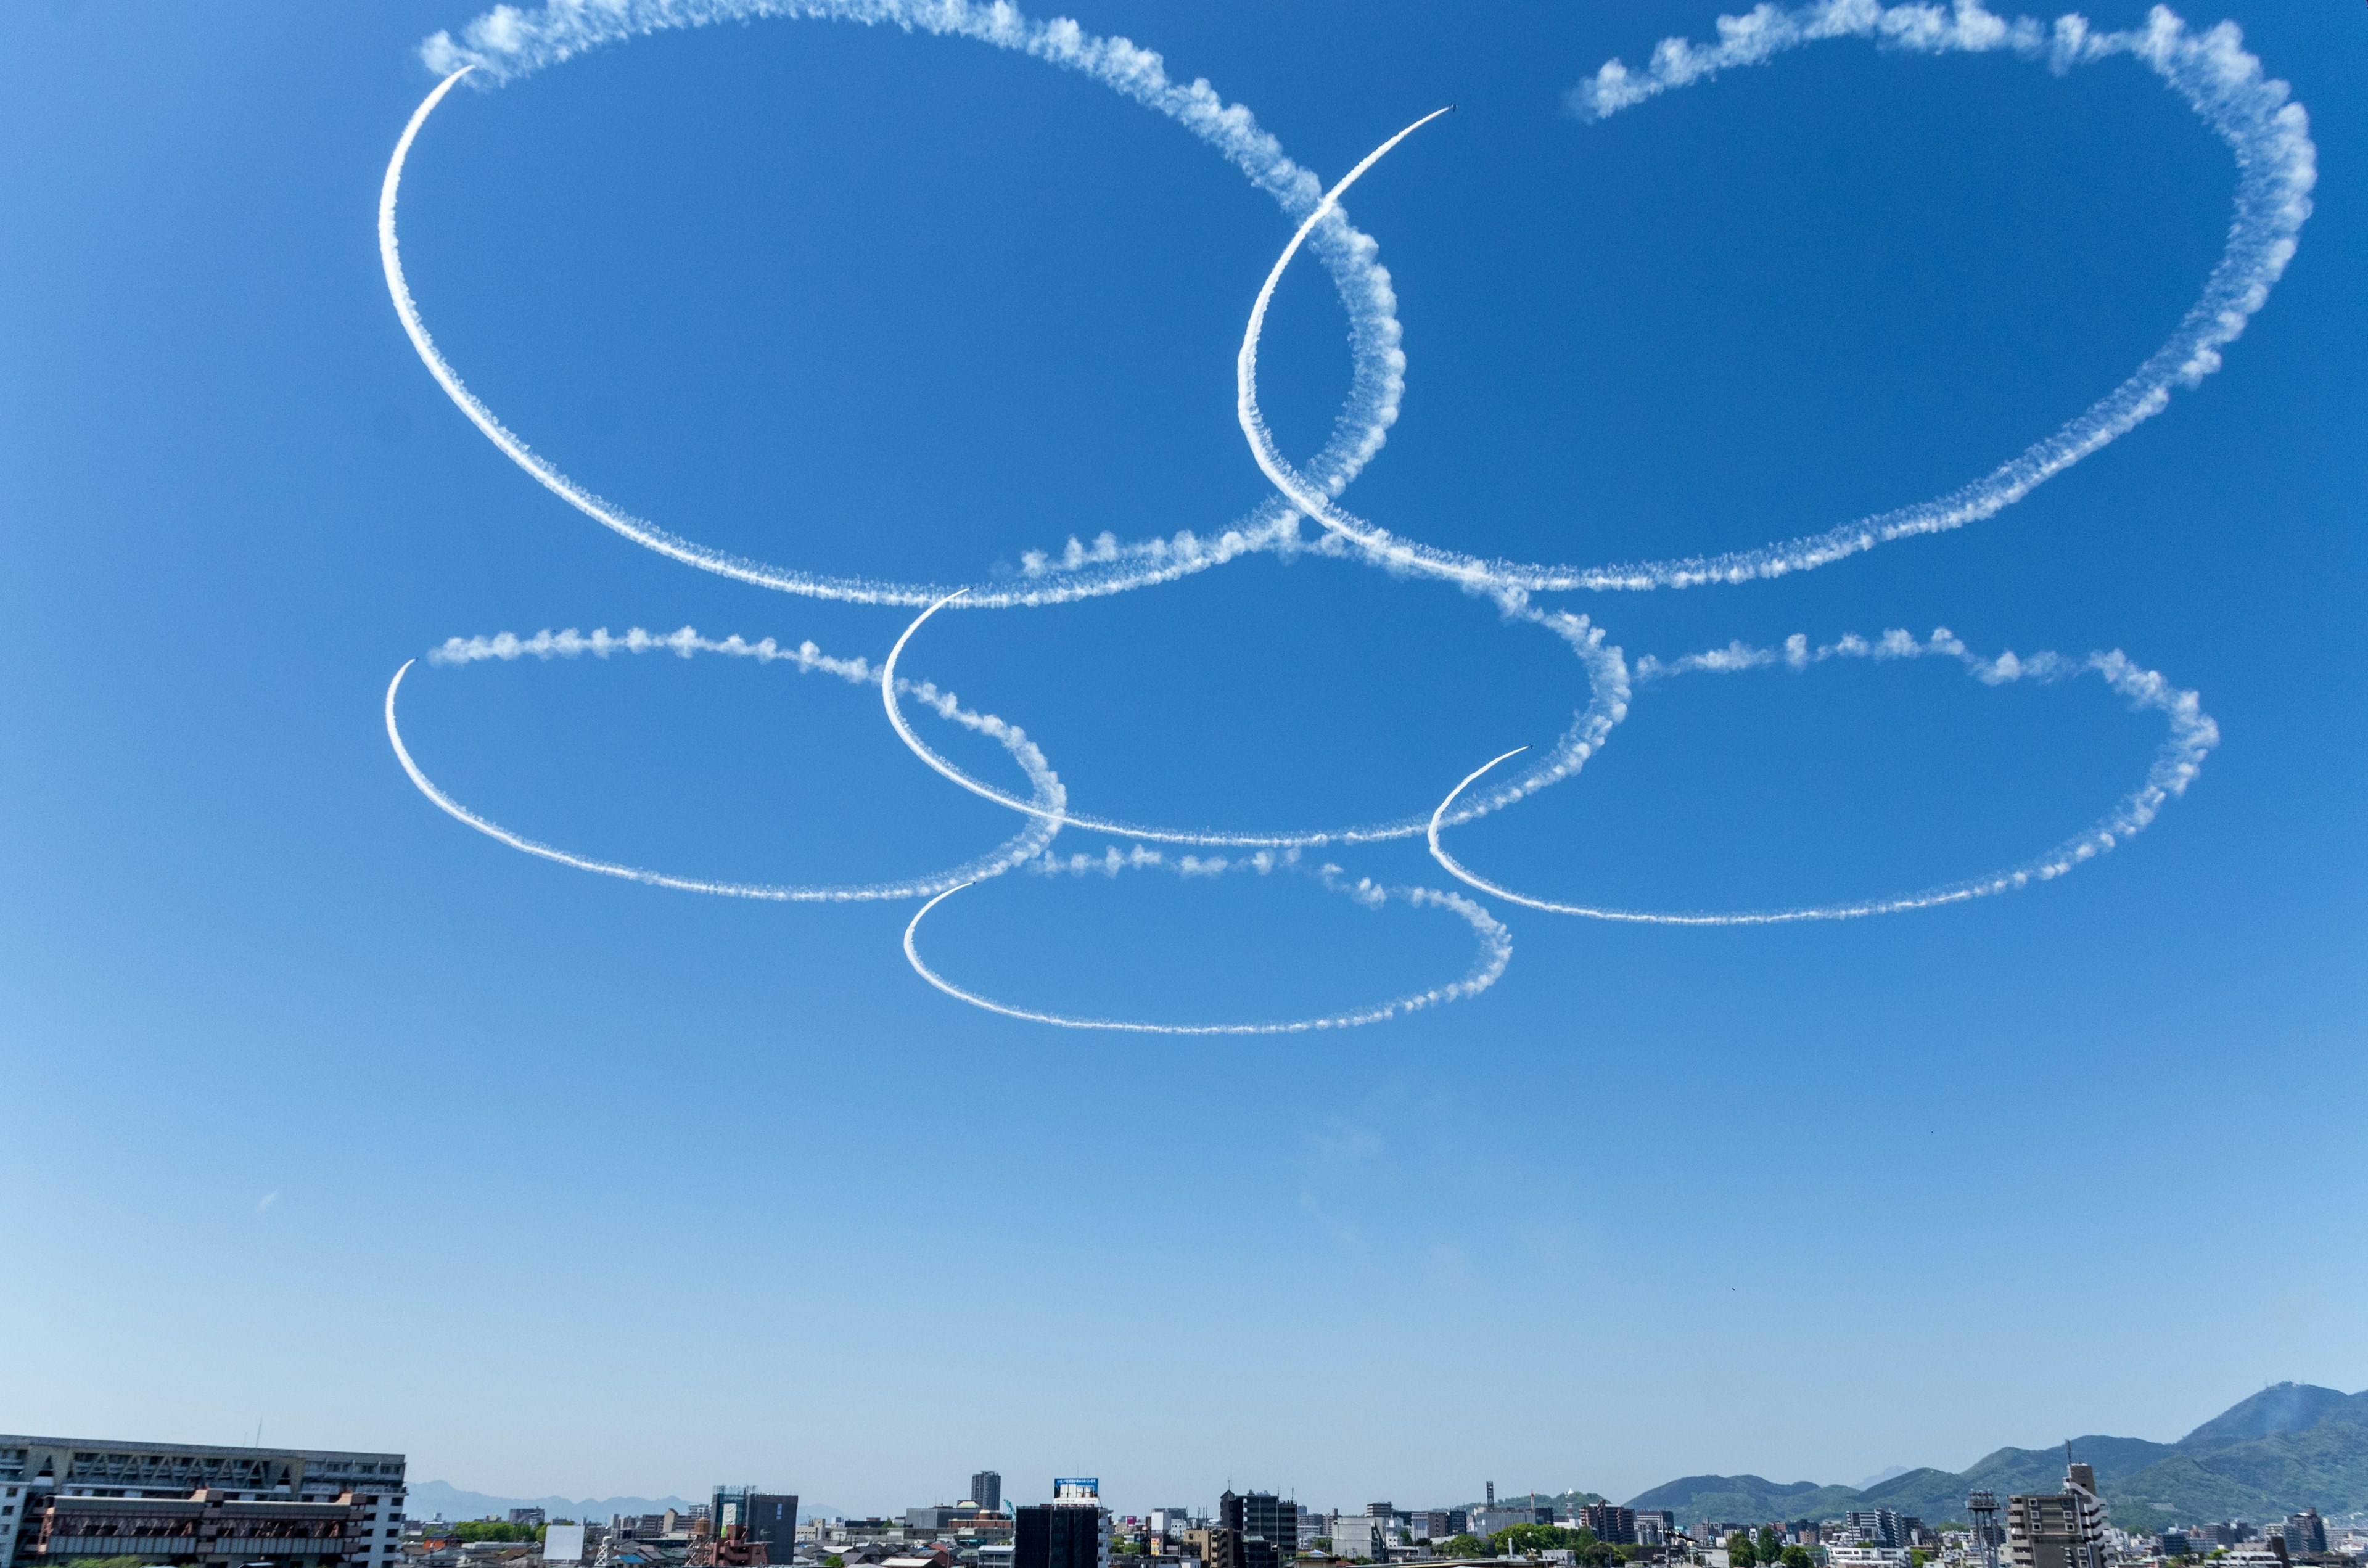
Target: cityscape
{"points": [[87, 1503]]}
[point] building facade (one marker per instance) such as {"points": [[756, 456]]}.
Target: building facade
{"points": [[1609, 1522], [67, 1497], [1265, 1527], [1071, 1531], [2059, 1529], [987, 1491], [2304, 1532], [1362, 1535], [772, 1520]]}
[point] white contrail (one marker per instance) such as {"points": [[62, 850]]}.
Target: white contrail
{"points": [[2193, 735], [2276, 163], [1607, 679], [1018, 850], [1495, 947], [507, 43]]}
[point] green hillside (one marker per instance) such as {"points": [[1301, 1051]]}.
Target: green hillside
{"points": [[2288, 1447]]}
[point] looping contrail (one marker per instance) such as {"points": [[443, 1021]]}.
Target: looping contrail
{"points": [[1607, 679], [2276, 163], [507, 44], [2180, 757], [2210, 70], [1016, 851], [1495, 947]]}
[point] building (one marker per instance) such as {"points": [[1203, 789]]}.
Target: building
{"points": [[66, 1497], [1362, 1535], [2304, 1532], [1265, 1528], [1609, 1522], [987, 1491], [1873, 1527], [2059, 1529], [1868, 1557], [1489, 1520], [1071, 1531], [1431, 1524], [530, 1518], [1215, 1546], [771, 1520]]}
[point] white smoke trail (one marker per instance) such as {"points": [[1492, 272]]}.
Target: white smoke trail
{"points": [[2180, 757], [1022, 848], [507, 43], [1607, 679], [2276, 162], [1496, 942]]}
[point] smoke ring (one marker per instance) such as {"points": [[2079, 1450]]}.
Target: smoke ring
{"points": [[2177, 762], [1608, 688], [506, 45], [1496, 952], [1018, 851], [2277, 167]]}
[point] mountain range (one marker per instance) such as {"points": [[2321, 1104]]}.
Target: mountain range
{"points": [[2290, 1447]]}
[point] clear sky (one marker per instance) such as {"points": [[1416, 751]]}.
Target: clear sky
{"points": [[325, 1111]]}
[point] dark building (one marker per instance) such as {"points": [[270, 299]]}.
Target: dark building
{"points": [[1611, 1523], [987, 1491], [2059, 1529], [1265, 1527], [1071, 1531], [772, 1521]]}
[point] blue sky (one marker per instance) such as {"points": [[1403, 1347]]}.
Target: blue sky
{"points": [[327, 1112]]}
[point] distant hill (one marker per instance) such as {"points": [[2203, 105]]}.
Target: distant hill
{"points": [[439, 1499], [2290, 1447]]}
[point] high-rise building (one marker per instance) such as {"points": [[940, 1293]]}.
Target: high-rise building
{"points": [[1875, 1527], [1265, 1525], [772, 1521], [2304, 1532], [67, 1497], [1071, 1531], [1611, 1523], [987, 1491], [2059, 1529]]}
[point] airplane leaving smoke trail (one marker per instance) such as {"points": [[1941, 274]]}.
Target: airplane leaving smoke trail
{"points": [[505, 44], [1496, 943], [1607, 679], [2192, 736], [1022, 848], [2277, 166]]}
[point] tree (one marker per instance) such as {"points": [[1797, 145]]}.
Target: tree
{"points": [[1466, 1545], [1799, 1557], [1739, 1553], [1770, 1547]]}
